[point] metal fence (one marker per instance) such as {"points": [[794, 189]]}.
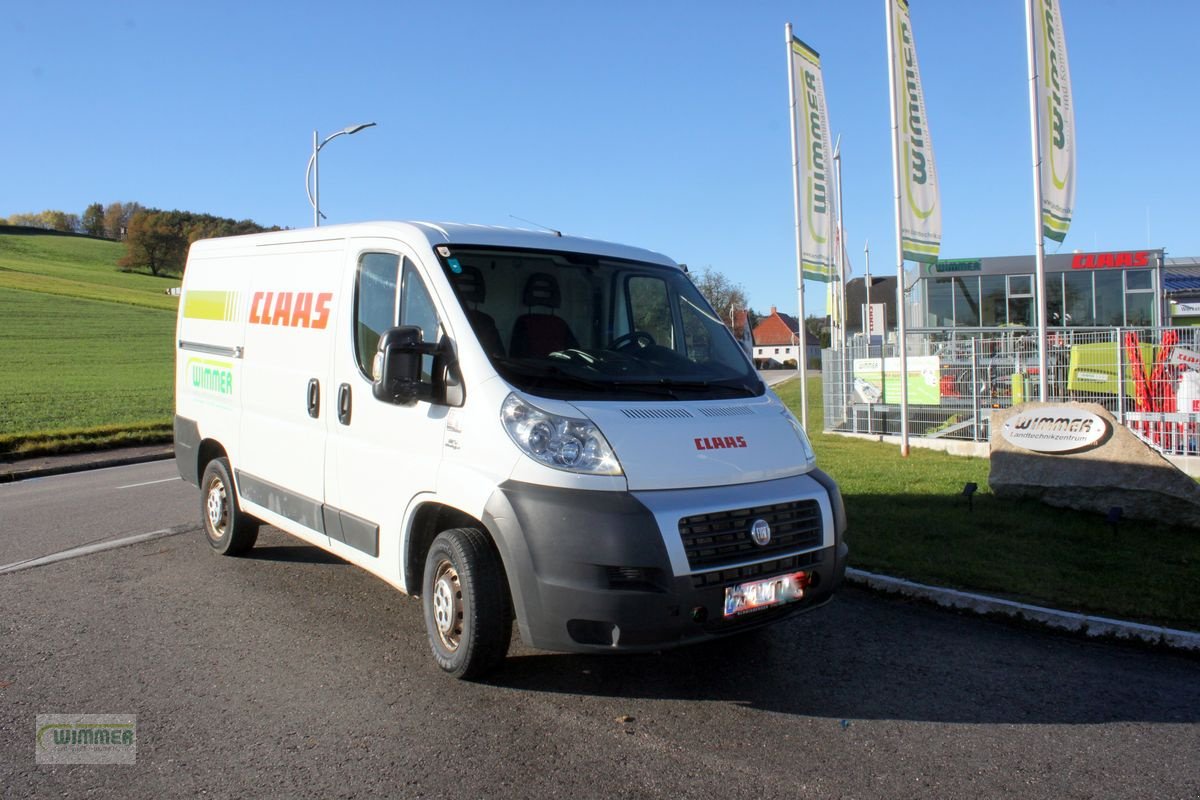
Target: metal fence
{"points": [[1148, 378]]}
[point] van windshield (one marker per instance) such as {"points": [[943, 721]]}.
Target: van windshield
{"points": [[577, 326]]}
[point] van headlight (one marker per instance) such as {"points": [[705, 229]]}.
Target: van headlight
{"points": [[809, 454], [566, 443]]}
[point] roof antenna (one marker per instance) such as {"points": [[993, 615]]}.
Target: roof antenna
{"points": [[538, 224]]}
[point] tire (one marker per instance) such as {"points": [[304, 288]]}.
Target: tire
{"points": [[464, 595], [229, 530]]}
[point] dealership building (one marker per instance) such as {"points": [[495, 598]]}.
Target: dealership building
{"points": [[1124, 332], [1118, 289], [1111, 289]]}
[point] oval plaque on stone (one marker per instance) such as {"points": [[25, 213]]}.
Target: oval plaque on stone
{"points": [[1054, 429]]}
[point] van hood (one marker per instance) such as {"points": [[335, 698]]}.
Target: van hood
{"points": [[706, 443]]}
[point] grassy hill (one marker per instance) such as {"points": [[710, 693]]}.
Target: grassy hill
{"points": [[85, 349]]}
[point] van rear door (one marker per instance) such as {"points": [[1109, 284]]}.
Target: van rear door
{"points": [[292, 314]]}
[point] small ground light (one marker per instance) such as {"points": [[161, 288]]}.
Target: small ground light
{"points": [[969, 490], [1114, 517]]}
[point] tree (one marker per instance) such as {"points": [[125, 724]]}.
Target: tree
{"points": [[724, 295], [117, 217], [817, 329], [93, 220], [26, 220], [152, 241], [159, 240], [59, 221]]}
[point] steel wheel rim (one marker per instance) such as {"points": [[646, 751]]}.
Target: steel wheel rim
{"points": [[217, 508], [447, 605]]}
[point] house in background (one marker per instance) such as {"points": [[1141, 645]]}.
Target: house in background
{"points": [[777, 341]]}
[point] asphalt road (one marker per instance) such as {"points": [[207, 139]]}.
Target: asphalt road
{"points": [[291, 673]]}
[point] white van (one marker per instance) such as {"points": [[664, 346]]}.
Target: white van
{"points": [[508, 423]]}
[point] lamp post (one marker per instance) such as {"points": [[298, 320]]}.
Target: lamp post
{"points": [[314, 196]]}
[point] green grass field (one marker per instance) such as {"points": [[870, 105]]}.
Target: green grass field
{"points": [[78, 267], [907, 517], [85, 349]]}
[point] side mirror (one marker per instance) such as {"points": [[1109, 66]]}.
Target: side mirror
{"points": [[396, 370]]}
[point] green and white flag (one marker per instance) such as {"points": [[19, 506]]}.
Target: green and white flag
{"points": [[1056, 119], [920, 206], [814, 170]]}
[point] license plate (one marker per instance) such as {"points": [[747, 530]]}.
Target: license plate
{"points": [[745, 597]]}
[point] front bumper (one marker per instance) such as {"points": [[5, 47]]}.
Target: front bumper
{"points": [[602, 571]]}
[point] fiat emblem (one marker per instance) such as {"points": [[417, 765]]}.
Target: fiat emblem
{"points": [[760, 532]]}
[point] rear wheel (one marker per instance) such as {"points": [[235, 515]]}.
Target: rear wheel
{"points": [[466, 604], [228, 529]]}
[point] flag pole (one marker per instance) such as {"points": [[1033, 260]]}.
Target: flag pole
{"points": [[801, 357], [901, 327], [841, 245], [1035, 135]]}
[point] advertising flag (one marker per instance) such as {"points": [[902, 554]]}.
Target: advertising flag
{"points": [[813, 167], [920, 206], [1056, 119]]}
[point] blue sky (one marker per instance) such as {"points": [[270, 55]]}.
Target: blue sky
{"points": [[657, 123]]}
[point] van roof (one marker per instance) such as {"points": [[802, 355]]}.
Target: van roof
{"points": [[459, 233], [454, 233]]}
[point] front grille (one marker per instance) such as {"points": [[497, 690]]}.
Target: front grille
{"points": [[763, 569], [723, 537]]}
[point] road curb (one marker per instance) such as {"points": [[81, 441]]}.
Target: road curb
{"points": [[983, 605], [78, 462]]}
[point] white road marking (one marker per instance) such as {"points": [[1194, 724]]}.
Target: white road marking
{"points": [[149, 483], [95, 547]]}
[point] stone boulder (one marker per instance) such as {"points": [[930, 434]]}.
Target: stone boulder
{"points": [[1120, 470]]}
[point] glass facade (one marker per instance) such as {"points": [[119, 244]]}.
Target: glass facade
{"points": [[1078, 298]]}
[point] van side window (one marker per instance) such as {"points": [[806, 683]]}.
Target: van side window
{"points": [[416, 308], [374, 304]]}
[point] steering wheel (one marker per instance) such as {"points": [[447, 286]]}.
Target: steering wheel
{"points": [[628, 341]]}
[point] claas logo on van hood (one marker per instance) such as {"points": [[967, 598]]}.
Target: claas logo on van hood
{"points": [[720, 442], [292, 309]]}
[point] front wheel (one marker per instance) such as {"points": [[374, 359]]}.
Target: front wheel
{"points": [[466, 604], [228, 529]]}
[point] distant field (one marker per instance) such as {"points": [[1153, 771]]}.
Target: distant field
{"points": [[70, 363], [77, 267], [86, 353]]}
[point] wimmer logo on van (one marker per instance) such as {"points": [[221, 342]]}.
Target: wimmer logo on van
{"points": [[86, 739], [210, 377]]}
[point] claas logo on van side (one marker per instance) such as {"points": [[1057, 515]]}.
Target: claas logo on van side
{"points": [[294, 309]]}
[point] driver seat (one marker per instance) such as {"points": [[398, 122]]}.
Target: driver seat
{"points": [[471, 290], [538, 335]]}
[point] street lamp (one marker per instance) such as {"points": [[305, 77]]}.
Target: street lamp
{"points": [[314, 196]]}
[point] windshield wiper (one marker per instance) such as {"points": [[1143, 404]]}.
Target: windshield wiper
{"points": [[551, 374]]}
